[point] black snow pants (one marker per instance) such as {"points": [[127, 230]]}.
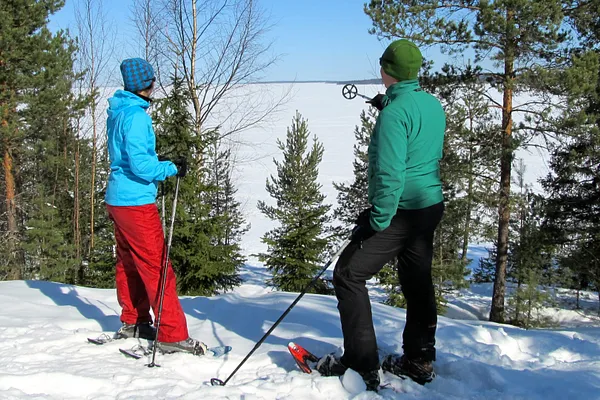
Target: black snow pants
{"points": [[409, 238]]}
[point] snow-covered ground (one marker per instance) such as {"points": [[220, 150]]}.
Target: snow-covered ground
{"points": [[44, 353], [43, 326]]}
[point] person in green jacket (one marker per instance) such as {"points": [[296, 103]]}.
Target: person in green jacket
{"points": [[407, 204]]}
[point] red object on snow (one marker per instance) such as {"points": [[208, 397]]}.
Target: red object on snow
{"points": [[302, 356]]}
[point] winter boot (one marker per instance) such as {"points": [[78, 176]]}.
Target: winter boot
{"points": [[143, 330], [188, 345], [371, 379], [330, 365], [419, 370]]}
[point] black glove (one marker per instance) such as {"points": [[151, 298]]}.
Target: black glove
{"points": [[181, 164], [163, 158], [377, 101], [363, 229]]}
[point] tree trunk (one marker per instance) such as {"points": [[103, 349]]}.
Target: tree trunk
{"points": [[497, 310], [93, 185], [11, 213], [192, 74], [465, 246], [76, 213]]}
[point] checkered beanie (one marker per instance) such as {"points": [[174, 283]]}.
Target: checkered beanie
{"points": [[137, 74]]}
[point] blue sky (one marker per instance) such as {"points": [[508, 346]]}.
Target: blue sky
{"points": [[316, 39]]}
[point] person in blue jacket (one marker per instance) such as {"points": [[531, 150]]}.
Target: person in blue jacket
{"points": [[131, 203]]}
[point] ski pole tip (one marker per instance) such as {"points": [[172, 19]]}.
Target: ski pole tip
{"points": [[217, 382]]}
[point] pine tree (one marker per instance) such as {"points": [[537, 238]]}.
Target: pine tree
{"points": [[35, 76], [485, 272], [523, 39], [530, 259], [526, 303], [47, 244], [204, 266], [100, 271], [573, 218], [296, 247], [228, 222]]}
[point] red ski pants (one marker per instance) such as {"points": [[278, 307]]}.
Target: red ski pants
{"points": [[140, 254]]}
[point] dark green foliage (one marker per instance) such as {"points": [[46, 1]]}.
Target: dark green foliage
{"points": [[573, 213], [49, 251], [526, 303], [486, 268], [296, 247], [39, 146], [205, 253], [530, 246], [521, 46]]}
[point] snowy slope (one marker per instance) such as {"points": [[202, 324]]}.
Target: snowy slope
{"points": [[44, 326], [44, 353]]}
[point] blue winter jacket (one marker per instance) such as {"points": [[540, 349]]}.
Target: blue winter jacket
{"points": [[134, 166]]}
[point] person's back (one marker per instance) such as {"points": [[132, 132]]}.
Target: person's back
{"points": [[425, 125], [130, 203], [405, 193], [404, 152], [134, 167]]}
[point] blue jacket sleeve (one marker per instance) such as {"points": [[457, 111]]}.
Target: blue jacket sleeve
{"points": [[139, 145], [389, 169]]}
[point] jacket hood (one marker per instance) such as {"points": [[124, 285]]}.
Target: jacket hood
{"points": [[122, 100]]}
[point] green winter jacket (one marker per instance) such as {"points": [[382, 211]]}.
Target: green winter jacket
{"points": [[404, 153]]}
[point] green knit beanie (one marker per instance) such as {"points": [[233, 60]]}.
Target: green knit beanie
{"points": [[401, 60]]}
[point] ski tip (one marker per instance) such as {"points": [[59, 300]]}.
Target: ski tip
{"points": [[291, 344], [220, 350], [130, 353]]}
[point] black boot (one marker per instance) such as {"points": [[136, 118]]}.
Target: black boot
{"points": [[371, 379], [330, 365], [419, 370], [143, 330]]}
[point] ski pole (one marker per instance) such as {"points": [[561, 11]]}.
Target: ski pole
{"points": [[218, 382], [163, 282], [350, 91]]}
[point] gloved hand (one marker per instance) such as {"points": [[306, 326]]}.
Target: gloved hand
{"points": [[181, 164], [363, 229], [377, 101], [163, 158]]}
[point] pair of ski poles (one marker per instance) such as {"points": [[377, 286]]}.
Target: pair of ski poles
{"points": [[215, 381]]}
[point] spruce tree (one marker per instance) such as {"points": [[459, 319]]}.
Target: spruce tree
{"points": [[485, 272], [204, 267], [572, 214], [296, 247], [229, 225], [522, 40], [36, 78]]}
